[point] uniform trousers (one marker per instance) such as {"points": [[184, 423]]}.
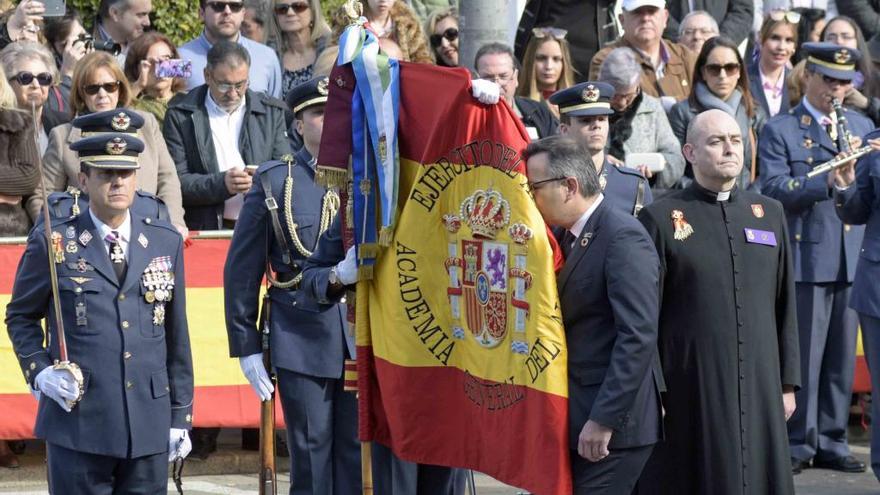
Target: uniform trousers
{"points": [[394, 476], [616, 474], [322, 428], [79, 473], [828, 329], [871, 344]]}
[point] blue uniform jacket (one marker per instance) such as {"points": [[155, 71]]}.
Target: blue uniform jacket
{"points": [[860, 204], [791, 145], [61, 206], [307, 336], [622, 187], [609, 289], [138, 373]]}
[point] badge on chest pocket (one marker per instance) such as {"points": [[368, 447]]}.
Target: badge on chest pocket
{"points": [[158, 284]]}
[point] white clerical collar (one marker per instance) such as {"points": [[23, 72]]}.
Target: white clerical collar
{"points": [[817, 114], [123, 231], [723, 196], [578, 227]]}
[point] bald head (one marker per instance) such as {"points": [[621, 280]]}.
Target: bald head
{"points": [[714, 148]]}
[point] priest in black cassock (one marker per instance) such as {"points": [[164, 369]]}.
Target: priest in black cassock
{"points": [[728, 337]]}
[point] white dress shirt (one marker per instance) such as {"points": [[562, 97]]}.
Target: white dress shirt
{"points": [[225, 132], [578, 227], [123, 231]]}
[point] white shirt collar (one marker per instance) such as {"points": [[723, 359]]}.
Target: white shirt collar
{"points": [[123, 230], [723, 196], [215, 110], [578, 227], [816, 113]]}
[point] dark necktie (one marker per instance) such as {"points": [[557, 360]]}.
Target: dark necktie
{"points": [[117, 256], [567, 242]]}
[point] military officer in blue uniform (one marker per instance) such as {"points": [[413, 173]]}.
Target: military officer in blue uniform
{"points": [[283, 216], [113, 426], [825, 251], [857, 200], [583, 114], [73, 202]]}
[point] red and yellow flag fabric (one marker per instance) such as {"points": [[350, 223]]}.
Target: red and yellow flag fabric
{"points": [[461, 350]]}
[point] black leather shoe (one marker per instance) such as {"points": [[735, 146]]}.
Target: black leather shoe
{"points": [[848, 464], [797, 466]]}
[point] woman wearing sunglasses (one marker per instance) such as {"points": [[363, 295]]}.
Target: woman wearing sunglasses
{"points": [[32, 74], [720, 82], [19, 177], [395, 19], [442, 28], [299, 34], [100, 85], [546, 65], [769, 74]]}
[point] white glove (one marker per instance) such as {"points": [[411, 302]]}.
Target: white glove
{"points": [[486, 91], [179, 444], [57, 385], [255, 372], [347, 270]]}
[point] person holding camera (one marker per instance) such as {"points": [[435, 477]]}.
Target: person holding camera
{"points": [[69, 42], [156, 73]]}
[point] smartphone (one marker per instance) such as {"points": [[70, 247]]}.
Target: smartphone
{"points": [[54, 8], [655, 161], [251, 169], [174, 68]]}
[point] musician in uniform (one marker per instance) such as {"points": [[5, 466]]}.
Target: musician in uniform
{"points": [[116, 416], [583, 113], [824, 251], [283, 215]]}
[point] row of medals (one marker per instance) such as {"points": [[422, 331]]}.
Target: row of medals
{"points": [[160, 289]]}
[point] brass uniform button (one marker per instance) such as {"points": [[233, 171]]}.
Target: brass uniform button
{"points": [[122, 297], [125, 324], [126, 355], [129, 385]]}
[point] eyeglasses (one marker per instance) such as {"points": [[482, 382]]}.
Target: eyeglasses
{"points": [[555, 33], [26, 78], [714, 70], [704, 31], [499, 79], [790, 16], [534, 186], [220, 7], [111, 87], [284, 8], [239, 87], [450, 34]]}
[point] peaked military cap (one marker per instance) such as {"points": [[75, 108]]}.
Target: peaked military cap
{"points": [[832, 60], [310, 93], [588, 98], [113, 151], [116, 120]]}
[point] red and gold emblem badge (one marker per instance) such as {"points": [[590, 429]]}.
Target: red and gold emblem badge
{"points": [[758, 211], [120, 122], [683, 229], [590, 94], [324, 86], [116, 146], [842, 56]]}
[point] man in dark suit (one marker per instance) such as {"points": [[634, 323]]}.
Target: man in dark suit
{"points": [[609, 290], [215, 131], [115, 427]]}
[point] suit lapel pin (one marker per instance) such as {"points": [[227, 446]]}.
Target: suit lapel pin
{"points": [[71, 247], [142, 240], [586, 239], [683, 229], [806, 120], [70, 233], [84, 237], [808, 143]]}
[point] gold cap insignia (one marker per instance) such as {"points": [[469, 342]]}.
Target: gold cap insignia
{"points": [[120, 122], [116, 146], [842, 56], [590, 94], [323, 86]]}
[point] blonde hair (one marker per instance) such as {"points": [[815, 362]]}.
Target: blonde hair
{"points": [[84, 70], [318, 27], [7, 96], [528, 82]]}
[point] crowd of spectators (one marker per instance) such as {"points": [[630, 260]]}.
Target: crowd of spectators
{"points": [[203, 128]]}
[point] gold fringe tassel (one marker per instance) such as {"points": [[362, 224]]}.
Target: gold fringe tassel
{"points": [[365, 272], [385, 235], [368, 250], [331, 176]]}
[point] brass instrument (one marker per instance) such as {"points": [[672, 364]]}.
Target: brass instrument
{"points": [[63, 363], [844, 138]]}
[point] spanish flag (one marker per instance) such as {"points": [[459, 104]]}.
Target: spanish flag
{"points": [[461, 350]]}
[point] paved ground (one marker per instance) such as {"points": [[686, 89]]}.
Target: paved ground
{"points": [[221, 475]]}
